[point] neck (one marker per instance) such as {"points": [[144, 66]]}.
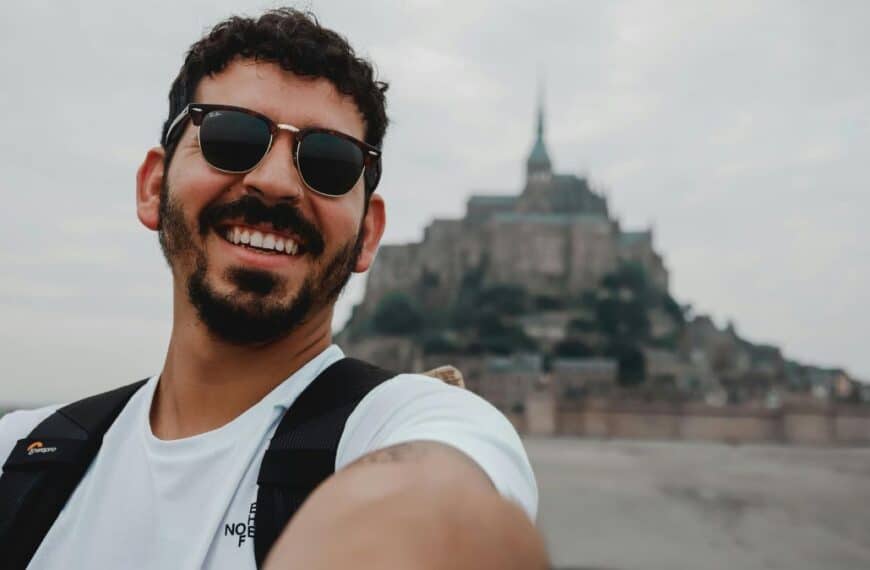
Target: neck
{"points": [[206, 382]]}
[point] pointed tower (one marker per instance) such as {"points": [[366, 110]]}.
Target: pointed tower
{"points": [[538, 166]]}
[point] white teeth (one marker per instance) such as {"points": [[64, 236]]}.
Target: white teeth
{"points": [[267, 241]]}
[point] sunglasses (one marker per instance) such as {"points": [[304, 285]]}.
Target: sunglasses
{"points": [[236, 140]]}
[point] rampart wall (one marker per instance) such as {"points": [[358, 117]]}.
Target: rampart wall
{"points": [[806, 425]]}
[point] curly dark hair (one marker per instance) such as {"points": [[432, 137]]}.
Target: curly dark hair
{"points": [[296, 42]]}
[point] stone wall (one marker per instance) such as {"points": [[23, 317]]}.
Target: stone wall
{"points": [[851, 428], [592, 252], [527, 253], [553, 254], [832, 425], [745, 428], [638, 247], [396, 268]]}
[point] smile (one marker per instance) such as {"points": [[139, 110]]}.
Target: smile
{"points": [[259, 240]]}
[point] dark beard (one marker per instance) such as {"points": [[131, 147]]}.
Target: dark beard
{"points": [[247, 317]]}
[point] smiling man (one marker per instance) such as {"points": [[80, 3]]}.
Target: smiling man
{"points": [[263, 196]]}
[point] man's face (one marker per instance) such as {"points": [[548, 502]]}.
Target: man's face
{"points": [[245, 295]]}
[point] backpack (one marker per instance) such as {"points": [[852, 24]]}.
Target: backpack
{"points": [[43, 469]]}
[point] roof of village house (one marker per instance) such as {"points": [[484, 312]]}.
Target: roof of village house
{"points": [[584, 364]]}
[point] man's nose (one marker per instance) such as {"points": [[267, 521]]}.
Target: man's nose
{"points": [[276, 176]]}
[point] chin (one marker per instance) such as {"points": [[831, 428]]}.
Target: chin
{"points": [[257, 310]]}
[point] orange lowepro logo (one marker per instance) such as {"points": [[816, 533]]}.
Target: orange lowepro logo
{"points": [[39, 447]]}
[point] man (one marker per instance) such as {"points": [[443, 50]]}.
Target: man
{"points": [[262, 194]]}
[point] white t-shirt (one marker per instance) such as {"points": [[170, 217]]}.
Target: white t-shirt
{"points": [[189, 503]]}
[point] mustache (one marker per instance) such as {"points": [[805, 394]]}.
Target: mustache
{"points": [[282, 216]]}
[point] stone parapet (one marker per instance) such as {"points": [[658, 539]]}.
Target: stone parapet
{"points": [[602, 418]]}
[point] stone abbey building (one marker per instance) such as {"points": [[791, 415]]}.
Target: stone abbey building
{"points": [[555, 238], [556, 243]]}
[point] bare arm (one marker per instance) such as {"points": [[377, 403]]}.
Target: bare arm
{"points": [[414, 505]]}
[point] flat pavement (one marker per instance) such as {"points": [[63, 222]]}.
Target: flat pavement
{"points": [[626, 505]]}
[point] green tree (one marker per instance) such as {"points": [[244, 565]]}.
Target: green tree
{"points": [[465, 310], [572, 348], [673, 309], [439, 343], [548, 303], [632, 364], [623, 320], [396, 314], [503, 299], [629, 275], [499, 336], [582, 325]]}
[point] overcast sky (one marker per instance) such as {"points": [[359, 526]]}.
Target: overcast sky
{"points": [[739, 130]]}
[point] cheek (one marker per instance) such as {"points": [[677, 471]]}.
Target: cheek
{"points": [[194, 187], [349, 229], [340, 220]]}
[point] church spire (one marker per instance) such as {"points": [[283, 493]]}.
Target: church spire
{"points": [[541, 110], [538, 164]]}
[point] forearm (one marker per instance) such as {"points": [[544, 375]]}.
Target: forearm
{"points": [[396, 516]]}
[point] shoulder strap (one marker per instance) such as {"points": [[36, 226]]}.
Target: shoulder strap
{"points": [[302, 452], [44, 469]]}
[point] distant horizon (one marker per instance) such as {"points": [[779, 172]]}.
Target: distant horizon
{"points": [[738, 131]]}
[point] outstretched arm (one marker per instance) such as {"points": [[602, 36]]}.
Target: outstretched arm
{"points": [[414, 505]]}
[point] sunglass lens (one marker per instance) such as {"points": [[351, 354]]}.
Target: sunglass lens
{"points": [[233, 141], [329, 164]]}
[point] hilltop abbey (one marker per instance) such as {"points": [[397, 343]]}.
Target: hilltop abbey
{"points": [[556, 238], [558, 316]]}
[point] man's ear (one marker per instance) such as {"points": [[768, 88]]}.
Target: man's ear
{"points": [[149, 181], [373, 230]]}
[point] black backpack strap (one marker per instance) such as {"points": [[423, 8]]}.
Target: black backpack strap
{"points": [[302, 452], [44, 469]]}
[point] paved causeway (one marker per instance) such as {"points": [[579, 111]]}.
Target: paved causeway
{"points": [[621, 505]]}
